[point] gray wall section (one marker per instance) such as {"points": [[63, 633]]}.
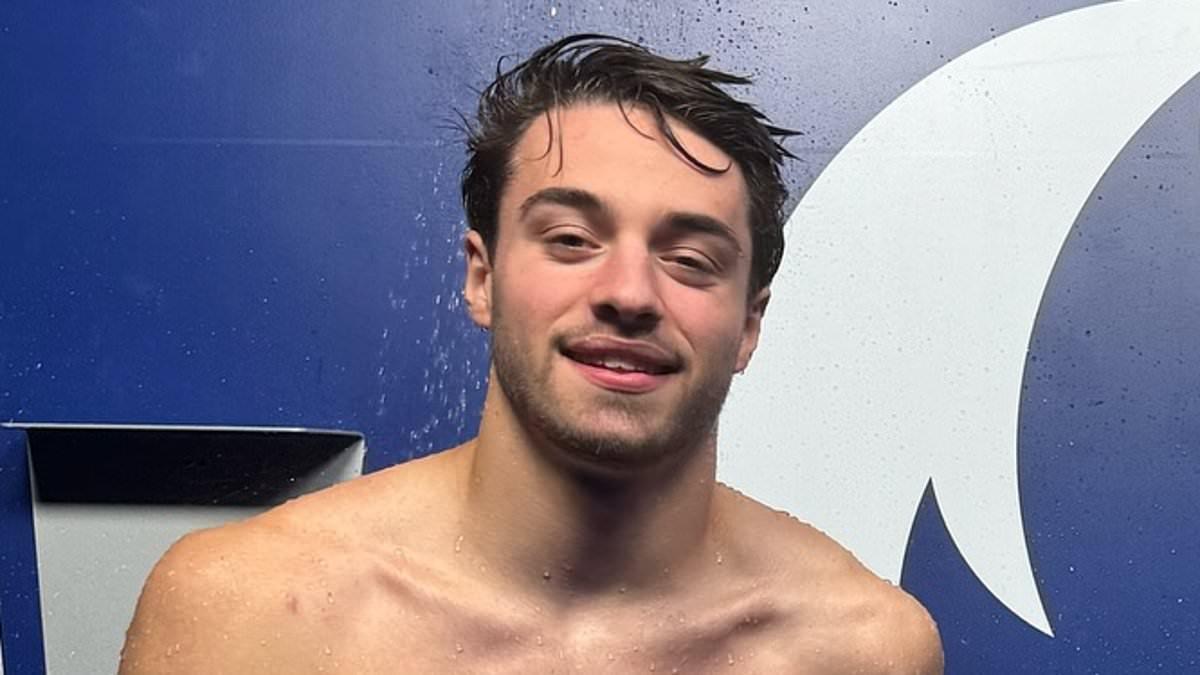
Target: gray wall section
{"points": [[97, 540], [92, 561]]}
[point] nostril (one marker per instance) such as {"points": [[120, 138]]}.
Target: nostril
{"points": [[629, 322]]}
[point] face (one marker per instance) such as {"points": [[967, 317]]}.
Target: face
{"points": [[617, 295]]}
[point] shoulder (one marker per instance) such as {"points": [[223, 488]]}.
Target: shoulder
{"points": [[885, 630], [904, 636], [226, 598], [782, 546], [831, 604]]}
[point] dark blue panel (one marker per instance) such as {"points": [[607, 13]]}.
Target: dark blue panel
{"points": [[1110, 420], [234, 214], [20, 607]]}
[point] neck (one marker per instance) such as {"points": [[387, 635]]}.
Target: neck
{"points": [[575, 534]]}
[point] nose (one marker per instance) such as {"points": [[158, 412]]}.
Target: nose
{"points": [[625, 293]]}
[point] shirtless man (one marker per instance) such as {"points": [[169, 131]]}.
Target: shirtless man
{"points": [[626, 220]]}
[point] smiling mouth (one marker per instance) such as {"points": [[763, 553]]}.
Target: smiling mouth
{"points": [[619, 364], [631, 367]]}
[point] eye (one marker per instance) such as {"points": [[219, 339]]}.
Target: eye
{"points": [[691, 262], [569, 240], [569, 245]]}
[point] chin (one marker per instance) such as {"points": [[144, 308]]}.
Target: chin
{"points": [[616, 452]]}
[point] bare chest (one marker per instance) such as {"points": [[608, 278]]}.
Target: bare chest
{"points": [[428, 640], [374, 616], [458, 649]]}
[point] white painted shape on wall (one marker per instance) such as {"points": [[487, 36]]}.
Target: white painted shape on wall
{"points": [[895, 342]]}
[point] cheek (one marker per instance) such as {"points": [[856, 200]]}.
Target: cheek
{"points": [[712, 325], [528, 294]]}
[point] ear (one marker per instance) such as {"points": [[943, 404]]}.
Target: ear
{"points": [[477, 289], [751, 329]]}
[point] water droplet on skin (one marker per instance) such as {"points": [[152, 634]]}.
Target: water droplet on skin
{"points": [[458, 544], [621, 589], [611, 657], [731, 659], [653, 667], [329, 597], [328, 650], [720, 560], [546, 575], [458, 648], [538, 639]]}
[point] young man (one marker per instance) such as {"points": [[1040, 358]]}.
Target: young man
{"points": [[626, 219]]}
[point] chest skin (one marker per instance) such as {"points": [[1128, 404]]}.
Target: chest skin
{"points": [[380, 617]]}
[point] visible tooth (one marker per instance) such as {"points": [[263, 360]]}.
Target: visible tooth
{"points": [[614, 364]]}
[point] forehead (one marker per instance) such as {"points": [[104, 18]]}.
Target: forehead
{"points": [[627, 161]]}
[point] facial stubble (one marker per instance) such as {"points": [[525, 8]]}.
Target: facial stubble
{"points": [[605, 430]]}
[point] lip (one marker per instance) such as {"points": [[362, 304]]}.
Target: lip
{"points": [[658, 363], [631, 382]]}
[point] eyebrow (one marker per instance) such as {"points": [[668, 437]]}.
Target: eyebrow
{"points": [[574, 198], [698, 223]]}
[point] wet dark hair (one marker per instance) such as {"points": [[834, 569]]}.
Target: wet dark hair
{"points": [[599, 68]]}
